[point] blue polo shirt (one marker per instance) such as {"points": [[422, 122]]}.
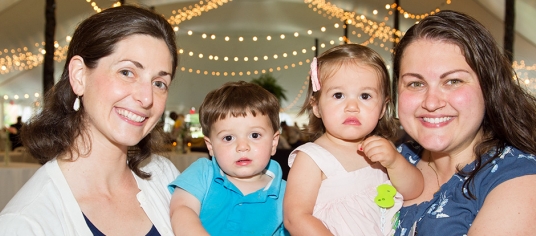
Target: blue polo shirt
{"points": [[225, 210]]}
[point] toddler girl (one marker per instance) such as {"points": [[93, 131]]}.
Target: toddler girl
{"points": [[340, 184]]}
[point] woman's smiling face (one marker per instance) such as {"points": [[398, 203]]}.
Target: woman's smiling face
{"points": [[440, 101], [125, 95]]}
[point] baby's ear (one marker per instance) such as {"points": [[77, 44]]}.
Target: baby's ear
{"points": [[275, 142], [314, 106], [209, 146], [316, 110], [385, 108]]}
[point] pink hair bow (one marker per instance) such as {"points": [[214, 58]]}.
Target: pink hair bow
{"points": [[314, 75]]}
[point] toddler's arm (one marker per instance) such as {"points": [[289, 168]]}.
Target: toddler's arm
{"points": [[184, 213], [303, 183], [406, 178]]}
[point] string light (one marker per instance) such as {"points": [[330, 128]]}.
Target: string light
{"points": [[298, 96], [187, 13], [522, 72], [255, 72], [378, 30], [97, 9], [241, 73], [254, 38], [413, 15]]}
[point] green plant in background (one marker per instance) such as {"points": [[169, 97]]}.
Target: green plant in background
{"points": [[268, 82]]}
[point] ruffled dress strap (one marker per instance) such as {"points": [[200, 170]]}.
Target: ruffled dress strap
{"points": [[329, 165]]}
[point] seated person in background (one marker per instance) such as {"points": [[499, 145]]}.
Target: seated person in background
{"points": [[240, 191], [178, 127], [292, 134], [14, 134], [283, 143]]}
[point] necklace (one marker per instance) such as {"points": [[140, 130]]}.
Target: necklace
{"points": [[436, 175]]}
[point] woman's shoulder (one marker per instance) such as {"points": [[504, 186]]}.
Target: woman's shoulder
{"points": [[159, 165], [511, 161], [156, 161], [46, 193], [18, 224], [45, 185], [512, 152]]}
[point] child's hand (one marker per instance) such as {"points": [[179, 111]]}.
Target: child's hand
{"points": [[381, 150]]}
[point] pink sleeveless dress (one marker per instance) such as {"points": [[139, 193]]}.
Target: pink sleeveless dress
{"points": [[345, 202]]}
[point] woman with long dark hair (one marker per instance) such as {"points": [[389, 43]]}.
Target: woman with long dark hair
{"points": [[96, 134], [473, 126]]}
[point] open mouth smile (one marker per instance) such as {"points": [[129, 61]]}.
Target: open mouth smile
{"points": [[131, 116]]}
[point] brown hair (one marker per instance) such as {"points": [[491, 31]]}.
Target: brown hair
{"points": [[509, 110], [328, 63], [238, 99], [54, 130]]}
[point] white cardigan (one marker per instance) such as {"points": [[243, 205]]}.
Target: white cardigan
{"points": [[45, 205]]}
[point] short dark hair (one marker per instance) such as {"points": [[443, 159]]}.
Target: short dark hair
{"points": [[238, 99]]}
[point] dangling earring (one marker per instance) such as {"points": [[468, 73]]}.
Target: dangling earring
{"points": [[76, 105]]}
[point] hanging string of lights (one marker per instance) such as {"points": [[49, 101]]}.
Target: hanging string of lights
{"points": [[412, 15], [187, 13], [256, 58], [97, 9], [21, 60], [247, 72]]}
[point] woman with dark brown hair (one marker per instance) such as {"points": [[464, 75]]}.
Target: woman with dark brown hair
{"points": [[96, 134], [473, 126]]}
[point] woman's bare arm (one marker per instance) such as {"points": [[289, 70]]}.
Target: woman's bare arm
{"points": [[508, 209]]}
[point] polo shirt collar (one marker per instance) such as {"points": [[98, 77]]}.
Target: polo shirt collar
{"points": [[272, 189]]}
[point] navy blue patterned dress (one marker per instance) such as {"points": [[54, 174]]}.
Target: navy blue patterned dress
{"points": [[450, 212]]}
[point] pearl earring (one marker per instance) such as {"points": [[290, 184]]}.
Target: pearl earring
{"points": [[76, 105]]}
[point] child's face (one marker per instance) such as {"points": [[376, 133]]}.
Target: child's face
{"points": [[243, 145], [351, 102]]}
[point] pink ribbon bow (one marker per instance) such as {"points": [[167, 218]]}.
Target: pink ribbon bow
{"points": [[314, 75]]}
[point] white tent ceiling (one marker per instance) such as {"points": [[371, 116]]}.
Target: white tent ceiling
{"points": [[22, 26]]}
